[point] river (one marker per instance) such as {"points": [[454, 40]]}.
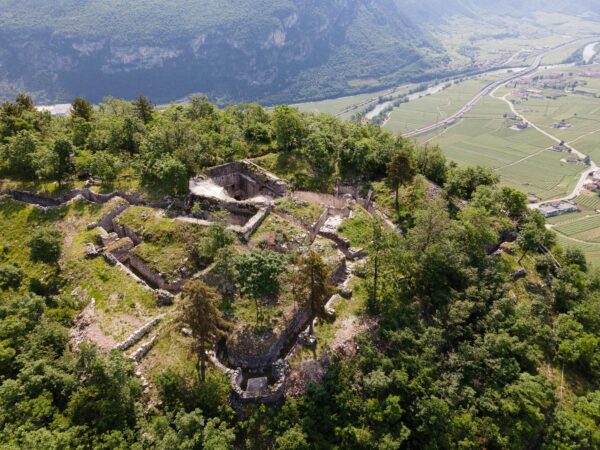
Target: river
{"points": [[589, 52]]}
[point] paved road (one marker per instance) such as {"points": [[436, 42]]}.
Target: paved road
{"points": [[485, 91]]}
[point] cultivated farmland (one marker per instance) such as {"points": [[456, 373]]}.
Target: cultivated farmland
{"points": [[523, 158], [431, 108], [585, 229]]}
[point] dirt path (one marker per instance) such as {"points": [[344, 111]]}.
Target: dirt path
{"points": [[86, 329]]}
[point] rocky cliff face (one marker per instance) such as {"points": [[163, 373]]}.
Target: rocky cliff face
{"points": [[232, 50], [239, 60]]}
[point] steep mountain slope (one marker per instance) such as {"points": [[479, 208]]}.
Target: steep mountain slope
{"points": [[231, 49], [270, 50]]}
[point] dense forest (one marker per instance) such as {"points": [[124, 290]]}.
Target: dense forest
{"points": [[474, 346]]}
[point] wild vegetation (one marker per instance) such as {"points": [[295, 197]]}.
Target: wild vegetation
{"points": [[474, 342]]}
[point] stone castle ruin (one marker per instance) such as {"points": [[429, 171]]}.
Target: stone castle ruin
{"points": [[247, 193]]}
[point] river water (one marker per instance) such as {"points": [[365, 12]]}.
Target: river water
{"points": [[590, 51]]}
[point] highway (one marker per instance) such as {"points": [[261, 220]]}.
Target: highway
{"points": [[485, 91]]}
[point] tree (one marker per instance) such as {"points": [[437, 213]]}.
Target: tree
{"points": [[81, 108], [315, 275], [321, 152], [171, 175], [514, 203], [462, 183], [218, 236], [289, 127], [375, 250], [534, 235], [144, 109], [109, 389], [399, 171], [431, 163], [257, 275], [11, 276], [104, 166], [200, 108], [46, 245], [202, 315], [25, 102], [56, 163], [19, 155], [575, 256]]}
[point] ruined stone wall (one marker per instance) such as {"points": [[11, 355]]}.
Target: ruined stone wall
{"points": [[338, 274], [252, 225], [125, 231], [91, 196], [342, 243], [325, 199], [153, 276], [273, 394], [252, 361], [137, 335], [106, 221], [261, 181]]}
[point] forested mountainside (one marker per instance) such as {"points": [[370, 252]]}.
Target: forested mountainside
{"points": [[459, 331], [228, 49], [273, 51]]}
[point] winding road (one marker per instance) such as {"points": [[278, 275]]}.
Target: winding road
{"points": [[491, 90], [485, 91]]}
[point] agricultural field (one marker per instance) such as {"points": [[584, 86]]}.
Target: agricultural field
{"points": [[521, 158], [432, 108], [588, 201], [582, 229], [591, 250], [341, 106], [337, 105], [585, 229], [580, 112]]}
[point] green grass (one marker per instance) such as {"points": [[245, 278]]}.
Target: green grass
{"points": [[306, 212], [285, 166], [358, 228], [345, 310], [276, 230], [122, 305], [165, 259]]}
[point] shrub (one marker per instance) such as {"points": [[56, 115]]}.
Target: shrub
{"points": [[46, 245], [11, 276]]}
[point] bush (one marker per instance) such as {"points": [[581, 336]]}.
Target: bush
{"points": [[11, 276], [46, 245]]}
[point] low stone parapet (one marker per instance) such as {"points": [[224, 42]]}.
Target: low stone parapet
{"points": [[138, 334], [268, 394]]}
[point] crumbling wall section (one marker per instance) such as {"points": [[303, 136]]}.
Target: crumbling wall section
{"points": [[273, 394], [241, 354], [152, 276]]}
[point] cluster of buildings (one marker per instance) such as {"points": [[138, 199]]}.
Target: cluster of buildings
{"points": [[557, 209], [593, 184]]}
